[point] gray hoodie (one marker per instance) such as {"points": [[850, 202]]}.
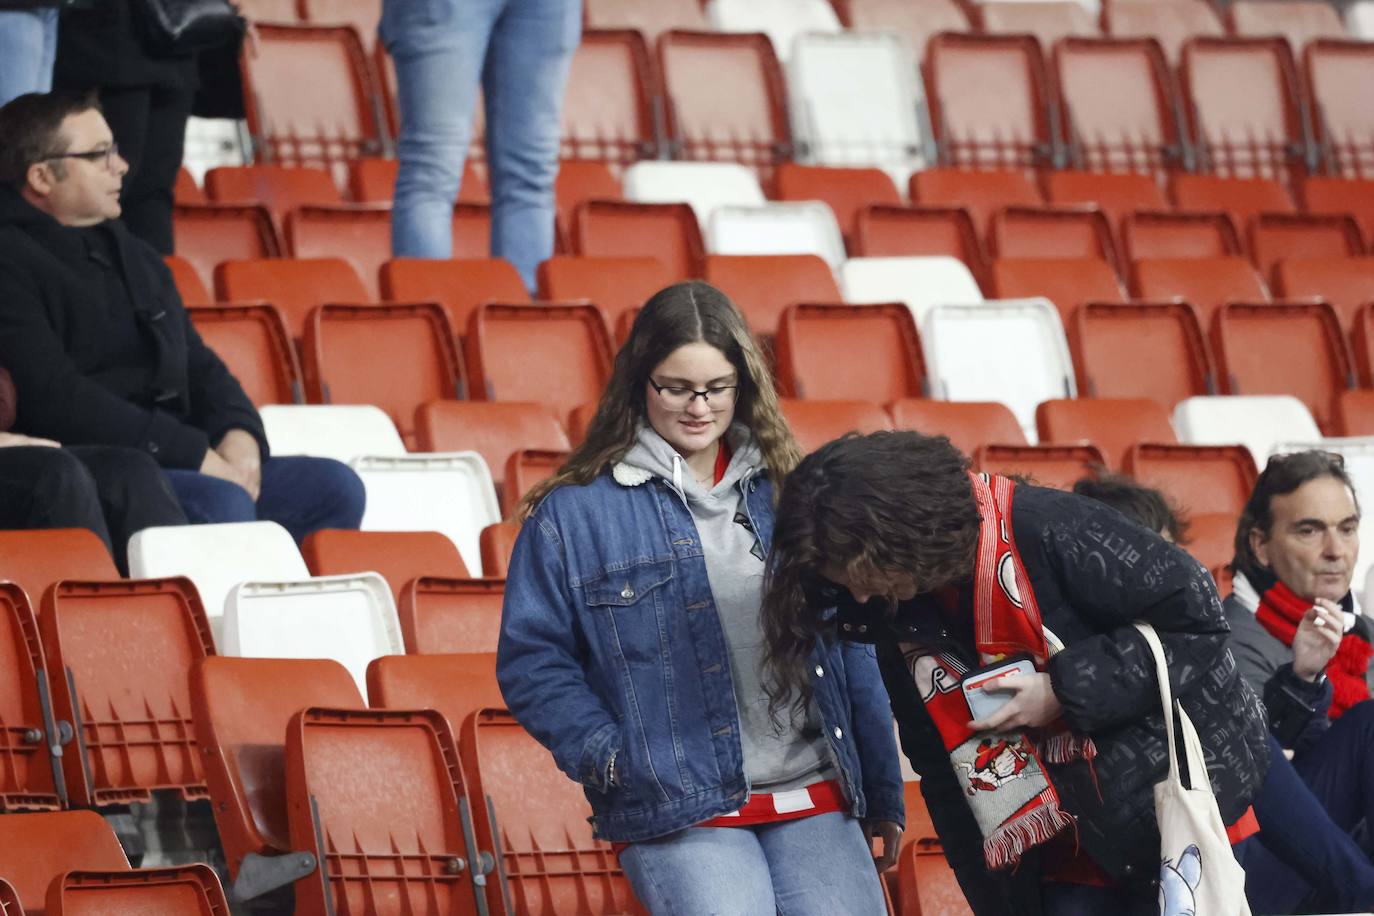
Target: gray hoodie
{"points": [[776, 759]]}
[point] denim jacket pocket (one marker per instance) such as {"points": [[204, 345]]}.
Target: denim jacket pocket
{"points": [[627, 606]]}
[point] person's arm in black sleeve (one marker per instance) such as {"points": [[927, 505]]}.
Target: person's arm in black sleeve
{"points": [[218, 401], [1113, 572], [58, 402], [1296, 708]]}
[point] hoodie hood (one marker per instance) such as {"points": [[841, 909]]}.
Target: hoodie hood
{"points": [[16, 211], [651, 456]]}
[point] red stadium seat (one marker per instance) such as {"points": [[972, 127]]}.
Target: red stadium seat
{"points": [[441, 615], [1340, 113], [270, 10], [985, 121], [1341, 195], [982, 192], [815, 423], [1050, 21], [34, 560], [920, 231], [1275, 237], [557, 355], [497, 542], [1152, 350], [608, 105], [1067, 282], [400, 556], [1179, 235], [1298, 21], [725, 99], [615, 285], [363, 15], [31, 776], [809, 337], [455, 684], [1354, 414], [1170, 23], [294, 286], [652, 19], [458, 284], [1254, 346], [968, 424], [180, 890], [1114, 425], [668, 232], [209, 234], [1347, 283], [1114, 194], [394, 356], [1200, 479], [1055, 466], [132, 718], [1205, 283], [1118, 106], [192, 289], [526, 468], [1042, 232], [36, 848], [916, 22], [846, 190], [253, 341], [581, 180], [762, 286], [1240, 198], [1362, 343], [280, 188], [494, 429], [186, 191]]}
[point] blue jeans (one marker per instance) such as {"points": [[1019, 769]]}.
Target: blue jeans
{"points": [[301, 494], [520, 52], [817, 865], [1305, 858], [28, 47]]}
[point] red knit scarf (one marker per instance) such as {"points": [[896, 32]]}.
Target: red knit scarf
{"points": [[1281, 610], [1005, 781]]}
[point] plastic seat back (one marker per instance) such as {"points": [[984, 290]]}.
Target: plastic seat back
{"points": [[494, 429], [977, 126], [498, 543], [1199, 479], [916, 22], [725, 98], [363, 15], [920, 283], [280, 188], [1114, 425], [1116, 195], [918, 231], [1276, 237], [271, 10], [36, 848], [458, 284], [327, 123], [1050, 21], [557, 355], [1010, 350], [535, 819], [1240, 198], [30, 774], [650, 19], [608, 104], [703, 185], [1341, 119], [343, 432], [857, 101], [455, 684], [394, 356], [1347, 283], [373, 181], [1153, 350], [668, 232], [1252, 344], [360, 234], [981, 192], [846, 190], [1240, 100], [440, 615], [1171, 23], [133, 730], [1359, 19], [1322, 194], [614, 285], [968, 424], [811, 336], [1056, 466], [806, 227], [1255, 421], [785, 22], [1355, 413], [209, 234], [1136, 130], [183, 890], [1298, 21], [241, 708], [927, 883], [377, 796], [400, 556], [294, 286], [192, 289], [764, 286], [1067, 282], [814, 423], [526, 468], [255, 345], [581, 180], [35, 559], [1042, 232], [1204, 283], [1159, 234]]}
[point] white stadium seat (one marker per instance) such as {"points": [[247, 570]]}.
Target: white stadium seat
{"points": [[806, 227], [782, 20], [704, 185], [339, 431], [1256, 421], [919, 282]]}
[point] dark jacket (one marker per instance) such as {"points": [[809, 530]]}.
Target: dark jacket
{"points": [[7, 398], [1093, 572], [56, 328], [100, 46]]}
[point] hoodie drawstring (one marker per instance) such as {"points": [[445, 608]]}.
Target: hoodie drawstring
{"points": [[677, 471]]}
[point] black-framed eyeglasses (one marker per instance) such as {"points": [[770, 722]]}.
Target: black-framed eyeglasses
{"points": [[107, 154], [717, 397]]}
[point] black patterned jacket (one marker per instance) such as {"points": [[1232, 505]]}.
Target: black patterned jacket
{"points": [[1093, 572]]}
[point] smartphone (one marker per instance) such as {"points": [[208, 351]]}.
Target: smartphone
{"points": [[983, 702]]}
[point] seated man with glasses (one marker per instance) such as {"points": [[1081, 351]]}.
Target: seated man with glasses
{"points": [[101, 348]]}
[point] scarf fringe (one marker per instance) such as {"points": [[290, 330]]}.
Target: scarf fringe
{"points": [[1066, 747], [1004, 848]]}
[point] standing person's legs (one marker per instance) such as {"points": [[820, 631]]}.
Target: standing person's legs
{"points": [[526, 73], [438, 47], [209, 500], [822, 865], [154, 121], [28, 47], [42, 487], [134, 494], [702, 871], [306, 494]]}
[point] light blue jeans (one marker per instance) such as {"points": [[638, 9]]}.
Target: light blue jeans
{"points": [[812, 866], [28, 47], [519, 51]]}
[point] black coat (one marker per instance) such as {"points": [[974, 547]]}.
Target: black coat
{"points": [[1093, 572], [100, 45], [55, 338]]}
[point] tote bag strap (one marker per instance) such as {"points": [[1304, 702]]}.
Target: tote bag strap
{"points": [[1192, 745]]}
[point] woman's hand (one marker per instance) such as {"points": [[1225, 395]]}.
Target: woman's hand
{"points": [[1032, 705], [891, 834]]}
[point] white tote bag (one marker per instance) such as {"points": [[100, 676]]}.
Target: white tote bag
{"points": [[1198, 875]]}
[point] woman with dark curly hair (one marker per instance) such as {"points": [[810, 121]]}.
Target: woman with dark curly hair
{"points": [[1040, 785], [631, 644]]}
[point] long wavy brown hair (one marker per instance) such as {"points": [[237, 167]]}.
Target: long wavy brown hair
{"points": [[686, 313], [870, 506]]}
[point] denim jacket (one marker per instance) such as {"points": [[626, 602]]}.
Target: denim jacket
{"points": [[611, 645]]}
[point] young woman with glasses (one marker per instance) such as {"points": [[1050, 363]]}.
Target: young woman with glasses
{"points": [[631, 642]]}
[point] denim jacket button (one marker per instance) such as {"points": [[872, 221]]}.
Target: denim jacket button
{"points": [[627, 593], [838, 732], [820, 672]]}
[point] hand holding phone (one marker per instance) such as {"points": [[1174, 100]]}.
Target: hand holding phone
{"points": [[1010, 695]]}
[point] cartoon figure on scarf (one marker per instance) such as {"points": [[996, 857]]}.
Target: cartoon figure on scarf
{"points": [[999, 761]]}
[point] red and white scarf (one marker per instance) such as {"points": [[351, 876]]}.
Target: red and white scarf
{"points": [[1003, 774]]}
